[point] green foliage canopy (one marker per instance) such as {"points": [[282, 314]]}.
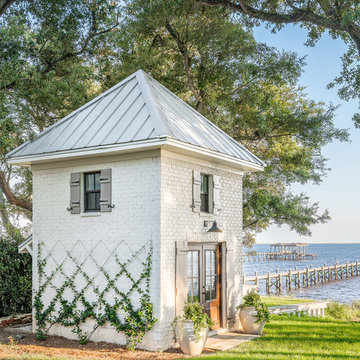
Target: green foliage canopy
{"points": [[210, 59], [54, 57], [341, 19], [46, 71], [15, 284]]}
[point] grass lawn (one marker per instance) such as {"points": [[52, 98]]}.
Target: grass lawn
{"points": [[305, 338], [282, 300], [286, 338]]}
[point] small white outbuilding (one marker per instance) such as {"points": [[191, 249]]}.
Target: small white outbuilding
{"points": [[125, 191]]}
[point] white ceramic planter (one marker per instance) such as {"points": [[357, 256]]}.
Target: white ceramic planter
{"points": [[186, 338], [248, 318]]}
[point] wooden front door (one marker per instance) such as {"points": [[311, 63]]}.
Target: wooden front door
{"points": [[204, 279]]}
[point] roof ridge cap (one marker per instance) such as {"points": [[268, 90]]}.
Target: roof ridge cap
{"points": [[152, 105]]}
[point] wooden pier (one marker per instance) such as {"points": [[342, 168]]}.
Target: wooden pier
{"points": [[281, 251], [295, 279]]}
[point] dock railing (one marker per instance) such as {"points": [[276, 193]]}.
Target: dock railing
{"points": [[295, 279], [269, 256]]}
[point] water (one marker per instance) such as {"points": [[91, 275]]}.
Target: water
{"points": [[343, 290]]}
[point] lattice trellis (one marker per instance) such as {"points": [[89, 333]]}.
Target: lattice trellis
{"points": [[112, 293]]}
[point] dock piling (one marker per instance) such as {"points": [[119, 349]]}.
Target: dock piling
{"points": [[306, 277]]}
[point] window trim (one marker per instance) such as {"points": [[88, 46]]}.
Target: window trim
{"points": [[85, 192]]}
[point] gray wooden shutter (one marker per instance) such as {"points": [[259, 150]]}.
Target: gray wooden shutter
{"points": [[196, 191], [180, 276], [105, 190], [216, 194], [75, 193]]}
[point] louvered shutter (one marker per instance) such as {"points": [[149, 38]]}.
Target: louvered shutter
{"points": [[75, 193], [196, 191], [180, 276], [105, 190], [216, 194]]}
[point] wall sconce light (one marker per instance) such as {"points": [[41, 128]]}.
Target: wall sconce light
{"points": [[214, 227]]}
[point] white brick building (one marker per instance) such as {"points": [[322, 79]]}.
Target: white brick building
{"points": [[135, 169]]}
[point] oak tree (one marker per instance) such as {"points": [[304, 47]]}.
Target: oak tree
{"points": [[341, 19]]}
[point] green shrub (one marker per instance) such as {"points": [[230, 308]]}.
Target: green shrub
{"points": [[15, 279], [338, 311]]}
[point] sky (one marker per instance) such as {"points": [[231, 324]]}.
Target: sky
{"points": [[340, 190]]}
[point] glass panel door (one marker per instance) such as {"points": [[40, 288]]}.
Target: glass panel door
{"points": [[193, 276], [210, 275], [203, 278]]}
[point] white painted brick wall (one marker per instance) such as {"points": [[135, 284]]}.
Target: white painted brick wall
{"points": [[179, 223], [152, 198], [134, 221]]}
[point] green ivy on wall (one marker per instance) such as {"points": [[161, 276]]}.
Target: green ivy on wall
{"points": [[121, 314]]}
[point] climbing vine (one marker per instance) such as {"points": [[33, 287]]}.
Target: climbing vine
{"points": [[134, 321]]}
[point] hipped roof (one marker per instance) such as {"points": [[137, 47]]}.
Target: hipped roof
{"points": [[135, 112]]}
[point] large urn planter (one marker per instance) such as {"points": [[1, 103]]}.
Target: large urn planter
{"points": [[248, 320], [253, 313], [188, 342], [192, 328]]}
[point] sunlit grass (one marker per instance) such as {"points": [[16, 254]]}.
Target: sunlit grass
{"points": [[282, 300], [286, 338], [304, 338]]}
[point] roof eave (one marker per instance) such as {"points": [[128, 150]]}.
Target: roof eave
{"points": [[27, 161], [215, 156], [168, 143]]}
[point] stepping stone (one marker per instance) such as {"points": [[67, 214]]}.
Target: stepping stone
{"points": [[227, 340]]}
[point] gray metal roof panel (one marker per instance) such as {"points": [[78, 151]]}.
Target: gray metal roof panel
{"points": [[138, 108], [188, 125]]}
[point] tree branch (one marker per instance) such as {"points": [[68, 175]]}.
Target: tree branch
{"points": [[50, 65], [12, 198], [79, 52], [187, 63], [11, 230], [296, 15], [250, 224], [4, 5]]}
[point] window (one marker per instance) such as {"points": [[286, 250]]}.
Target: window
{"points": [[204, 193], [210, 275], [193, 278], [92, 192]]}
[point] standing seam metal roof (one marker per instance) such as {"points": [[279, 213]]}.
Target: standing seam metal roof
{"points": [[138, 108]]}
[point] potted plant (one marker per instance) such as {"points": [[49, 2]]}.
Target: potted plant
{"points": [[191, 329], [253, 313]]}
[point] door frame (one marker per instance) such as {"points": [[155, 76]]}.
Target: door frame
{"points": [[222, 280]]}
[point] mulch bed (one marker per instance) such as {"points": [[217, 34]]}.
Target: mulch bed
{"points": [[58, 346]]}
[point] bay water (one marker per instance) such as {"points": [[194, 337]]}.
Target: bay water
{"points": [[345, 291]]}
